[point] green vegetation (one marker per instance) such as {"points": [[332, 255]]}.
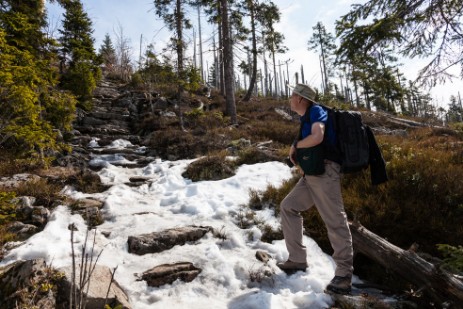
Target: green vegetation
{"points": [[7, 209], [79, 64], [453, 258], [210, 168], [422, 202], [43, 81]]}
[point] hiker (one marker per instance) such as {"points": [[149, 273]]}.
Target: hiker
{"points": [[322, 189]]}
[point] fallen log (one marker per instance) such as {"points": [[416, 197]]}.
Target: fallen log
{"points": [[438, 284]]}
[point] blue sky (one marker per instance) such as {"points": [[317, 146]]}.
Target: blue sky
{"points": [[137, 19]]}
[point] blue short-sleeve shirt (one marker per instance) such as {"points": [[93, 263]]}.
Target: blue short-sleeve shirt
{"points": [[316, 113]]}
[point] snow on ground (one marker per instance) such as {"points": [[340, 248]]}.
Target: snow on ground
{"points": [[172, 201]]}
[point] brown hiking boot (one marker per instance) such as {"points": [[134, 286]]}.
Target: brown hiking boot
{"points": [[291, 267], [340, 285]]}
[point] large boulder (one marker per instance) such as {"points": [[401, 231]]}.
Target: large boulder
{"points": [[164, 240]]}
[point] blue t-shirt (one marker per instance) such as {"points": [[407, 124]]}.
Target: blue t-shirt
{"points": [[316, 113]]}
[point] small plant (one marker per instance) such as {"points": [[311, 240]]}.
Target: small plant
{"points": [[221, 234], [80, 286], [269, 234], [453, 258], [246, 217]]}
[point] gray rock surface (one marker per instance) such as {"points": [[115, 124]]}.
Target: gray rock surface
{"points": [[164, 240]]}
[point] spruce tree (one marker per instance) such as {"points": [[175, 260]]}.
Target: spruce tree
{"points": [[272, 39], [323, 41], [32, 108], [79, 62], [424, 29], [107, 54], [173, 13]]}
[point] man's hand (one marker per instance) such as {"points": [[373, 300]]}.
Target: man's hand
{"points": [[292, 154]]}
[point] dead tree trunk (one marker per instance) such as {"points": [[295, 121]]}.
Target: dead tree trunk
{"points": [[440, 285]]}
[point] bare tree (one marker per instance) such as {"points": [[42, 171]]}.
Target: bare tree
{"points": [[123, 53]]}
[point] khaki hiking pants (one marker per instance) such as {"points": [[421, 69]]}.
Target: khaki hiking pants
{"points": [[323, 191]]}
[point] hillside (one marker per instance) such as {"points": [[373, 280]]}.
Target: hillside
{"points": [[132, 149]]}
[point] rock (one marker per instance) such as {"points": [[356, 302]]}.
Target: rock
{"points": [[105, 92], [16, 180], [23, 278], [85, 203], [92, 121], [283, 114], [24, 201], [100, 280], [22, 231], [164, 240], [263, 256], [140, 179], [24, 207], [40, 215], [168, 273], [89, 209]]}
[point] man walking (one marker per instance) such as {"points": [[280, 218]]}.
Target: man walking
{"points": [[322, 190]]}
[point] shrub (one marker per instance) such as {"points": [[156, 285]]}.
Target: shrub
{"points": [[7, 209], [87, 182], [211, 167], [423, 200], [453, 258], [44, 192]]}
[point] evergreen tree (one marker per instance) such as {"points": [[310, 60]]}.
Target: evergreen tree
{"points": [[32, 108], [324, 42], [413, 28], [22, 21], [107, 54], [173, 13], [374, 70], [269, 14], [455, 112], [155, 71], [79, 61]]}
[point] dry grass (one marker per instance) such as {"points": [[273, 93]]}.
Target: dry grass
{"points": [[211, 167], [423, 200]]}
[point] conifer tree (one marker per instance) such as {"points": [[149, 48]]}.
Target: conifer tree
{"points": [[107, 54], [32, 108], [272, 39], [257, 14], [425, 29], [79, 61], [173, 13], [324, 42]]}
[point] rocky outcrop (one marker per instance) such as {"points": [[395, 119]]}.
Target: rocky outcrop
{"points": [[20, 280], [34, 284], [89, 209], [164, 240], [168, 273], [101, 279]]}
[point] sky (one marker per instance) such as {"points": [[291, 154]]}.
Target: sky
{"points": [[172, 201], [140, 24]]}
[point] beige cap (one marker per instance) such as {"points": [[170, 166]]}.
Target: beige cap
{"points": [[305, 91]]}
